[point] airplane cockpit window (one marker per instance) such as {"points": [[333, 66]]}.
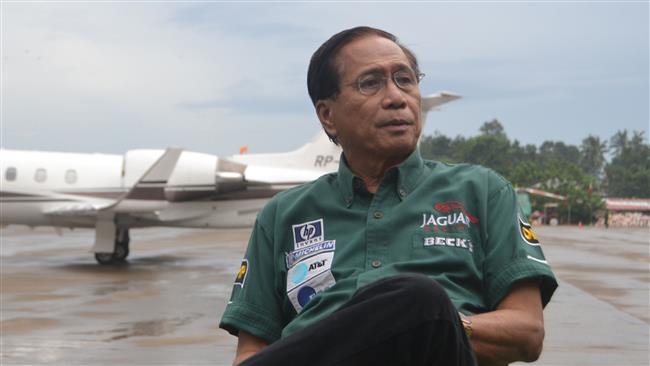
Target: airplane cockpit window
{"points": [[10, 174], [41, 175], [71, 176]]}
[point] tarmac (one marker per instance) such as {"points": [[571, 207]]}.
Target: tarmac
{"points": [[58, 307]]}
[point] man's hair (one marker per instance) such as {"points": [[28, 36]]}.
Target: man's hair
{"points": [[323, 74]]}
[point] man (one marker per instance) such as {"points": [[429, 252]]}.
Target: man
{"points": [[374, 264]]}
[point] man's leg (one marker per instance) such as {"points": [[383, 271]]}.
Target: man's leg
{"points": [[400, 320]]}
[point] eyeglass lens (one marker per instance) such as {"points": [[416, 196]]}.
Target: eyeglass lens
{"points": [[372, 83]]}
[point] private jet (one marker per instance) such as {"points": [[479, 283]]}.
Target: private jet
{"points": [[144, 188]]}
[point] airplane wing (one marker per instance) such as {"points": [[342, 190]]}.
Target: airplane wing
{"points": [[280, 176], [146, 195], [77, 209]]}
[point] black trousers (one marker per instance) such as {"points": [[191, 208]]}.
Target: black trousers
{"points": [[405, 320]]}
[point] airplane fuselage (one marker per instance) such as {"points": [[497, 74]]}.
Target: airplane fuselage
{"points": [[53, 189], [34, 183]]}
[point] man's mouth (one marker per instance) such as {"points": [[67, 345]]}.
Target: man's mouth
{"points": [[396, 123]]}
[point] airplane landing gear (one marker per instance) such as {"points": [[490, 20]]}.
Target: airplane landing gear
{"points": [[120, 251]]}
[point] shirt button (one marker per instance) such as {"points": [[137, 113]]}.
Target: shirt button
{"points": [[378, 215], [402, 193], [375, 264]]}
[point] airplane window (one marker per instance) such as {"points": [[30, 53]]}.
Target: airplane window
{"points": [[71, 176], [41, 175], [10, 174]]}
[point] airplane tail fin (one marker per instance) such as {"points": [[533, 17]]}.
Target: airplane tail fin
{"points": [[433, 101], [320, 154]]}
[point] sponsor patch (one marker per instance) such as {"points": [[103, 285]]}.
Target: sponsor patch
{"points": [[527, 233], [308, 268], [307, 233], [449, 242], [241, 275], [303, 294], [448, 207], [448, 217], [444, 221], [296, 255]]}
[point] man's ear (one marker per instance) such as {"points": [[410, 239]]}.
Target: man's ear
{"points": [[324, 112]]}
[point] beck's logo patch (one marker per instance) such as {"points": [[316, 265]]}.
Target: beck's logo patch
{"points": [[449, 242], [241, 275], [527, 233], [307, 233]]}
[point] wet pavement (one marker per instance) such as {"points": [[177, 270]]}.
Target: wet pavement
{"points": [[162, 308], [600, 313]]}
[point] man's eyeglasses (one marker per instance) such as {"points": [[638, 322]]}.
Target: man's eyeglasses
{"points": [[371, 84]]}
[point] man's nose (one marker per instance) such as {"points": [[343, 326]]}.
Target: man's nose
{"points": [[393, 97]]}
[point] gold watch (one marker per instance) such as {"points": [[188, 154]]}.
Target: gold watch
{"points": [[467, 324]]}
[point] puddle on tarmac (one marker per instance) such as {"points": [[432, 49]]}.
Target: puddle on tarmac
{"points": [[144, 328], [111, 288], [151, 328], [26, 325]]}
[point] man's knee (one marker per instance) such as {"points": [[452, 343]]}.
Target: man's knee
{"points": [[412, 293], [423, 291]]}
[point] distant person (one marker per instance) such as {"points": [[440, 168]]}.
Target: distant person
{"points": [[393, 260]]}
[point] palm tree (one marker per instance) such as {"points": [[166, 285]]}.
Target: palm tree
{"points": [[619, 142], [592, 155]]}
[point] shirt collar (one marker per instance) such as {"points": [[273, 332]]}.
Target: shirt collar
{"points": [[408, 176], [346, 181]]}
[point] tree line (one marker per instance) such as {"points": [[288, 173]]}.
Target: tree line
{"points": [[618, 167]]}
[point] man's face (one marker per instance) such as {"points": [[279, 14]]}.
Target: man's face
{"points": [[386, 125]]}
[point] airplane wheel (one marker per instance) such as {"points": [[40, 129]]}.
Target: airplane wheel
{"points": [[122, 240], [120, 249], [119, 255], [104, 258], [121, 252]]}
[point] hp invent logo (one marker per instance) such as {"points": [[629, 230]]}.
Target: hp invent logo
{"points": [[307, 232]]}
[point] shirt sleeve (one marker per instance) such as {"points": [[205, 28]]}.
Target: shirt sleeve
{"points": [[254, 306], [513, 251]]}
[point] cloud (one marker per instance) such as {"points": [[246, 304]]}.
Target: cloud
{"points": [[114, 76]]}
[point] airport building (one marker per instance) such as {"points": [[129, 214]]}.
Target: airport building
{"points": [[626, 212]]}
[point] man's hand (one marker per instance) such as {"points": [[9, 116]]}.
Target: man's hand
{"points": [[248, 345], [514, 331]]}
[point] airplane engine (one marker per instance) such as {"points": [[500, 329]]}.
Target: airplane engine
{"points": [[201, 177]]}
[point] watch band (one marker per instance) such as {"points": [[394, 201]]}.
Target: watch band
{"points": [[467, 324]]}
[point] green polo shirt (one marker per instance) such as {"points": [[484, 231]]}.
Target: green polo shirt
{"points": [[314, 245]]}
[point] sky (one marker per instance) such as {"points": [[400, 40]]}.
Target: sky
{"points": [[214, 76]]}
